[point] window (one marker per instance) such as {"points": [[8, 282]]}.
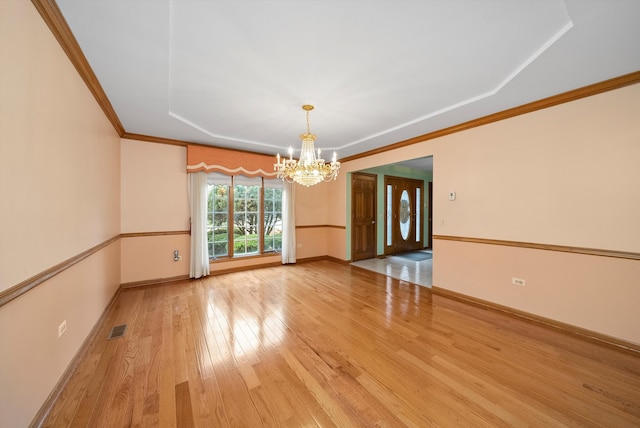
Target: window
{"points": [[272, 215], [418, 203], [218, 217], [389, 213], [244, 215]]}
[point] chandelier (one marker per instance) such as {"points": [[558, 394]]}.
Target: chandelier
{"points": [[309, 170]]}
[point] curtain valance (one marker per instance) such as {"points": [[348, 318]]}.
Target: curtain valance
{"points": [[229, 162]]}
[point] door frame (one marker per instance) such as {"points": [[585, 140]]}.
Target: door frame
{"points": [[374, 209], [393, 248], [429, 242]]}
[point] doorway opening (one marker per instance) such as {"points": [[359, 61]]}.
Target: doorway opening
{"points": [[408, 222], [404, 214]]}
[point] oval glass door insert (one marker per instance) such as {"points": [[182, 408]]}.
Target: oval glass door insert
{"points": [[405, 214]]}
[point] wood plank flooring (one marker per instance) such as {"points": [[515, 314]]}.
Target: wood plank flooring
{"points": [[323, 344]]}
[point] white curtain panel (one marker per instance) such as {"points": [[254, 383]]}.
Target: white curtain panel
{"points": [[199, 265], [288, 223]]}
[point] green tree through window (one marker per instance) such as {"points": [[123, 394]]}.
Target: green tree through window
{"points": [[246, 224], [218, 220], [249, 224], [272, 219]]}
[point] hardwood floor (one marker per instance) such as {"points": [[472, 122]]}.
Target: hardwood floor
{"points": [[323, 344]]}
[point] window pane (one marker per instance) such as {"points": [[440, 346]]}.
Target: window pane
{"points": [[253, 192], [252, 206], [272, 225], [239, 220], [217, 215], [252, 245], [243, 216], [418, 214], [405, 214], [389, 213], [246, 227], [220, 249], [221, 201]]}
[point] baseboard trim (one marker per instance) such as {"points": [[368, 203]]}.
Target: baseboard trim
{"points": [[583, 333], [315, 226], [337, 260], [53, 397], [157, 281], [162, 281], [244, 268], [274, 264], [321, 258]]}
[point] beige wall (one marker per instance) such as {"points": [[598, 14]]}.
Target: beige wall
{"points": [[32, 357], [153, 187], [149, 258], [154, 199], [59, 175], [566, 175], [311, 210], [59, 196], [597, 293]]}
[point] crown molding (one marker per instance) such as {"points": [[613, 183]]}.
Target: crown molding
{"points": [[565, 97], [51, 14]]}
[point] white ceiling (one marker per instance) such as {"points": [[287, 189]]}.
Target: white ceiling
{"points": [[235, 73]]}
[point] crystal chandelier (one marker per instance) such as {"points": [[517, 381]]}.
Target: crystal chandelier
{"points": [[309, 170]]}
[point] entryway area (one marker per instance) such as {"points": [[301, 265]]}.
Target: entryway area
{"points": [[414, 266], [391, 210]]}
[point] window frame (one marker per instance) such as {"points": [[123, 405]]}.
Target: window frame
{"points": [[230, 221], [273, 211]]}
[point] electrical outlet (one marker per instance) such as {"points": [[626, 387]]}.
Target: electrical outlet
{"points": [[298, 245], [518, 281], [62, 328], [176, 256]]}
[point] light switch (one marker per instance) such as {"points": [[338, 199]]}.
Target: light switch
{"points": [[452, 196]]}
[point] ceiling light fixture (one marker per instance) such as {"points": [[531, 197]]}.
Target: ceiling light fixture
{"points": [[309, 170]]}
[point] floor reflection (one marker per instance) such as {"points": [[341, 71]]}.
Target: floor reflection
{"points": [[402, 267], [239, 331]]}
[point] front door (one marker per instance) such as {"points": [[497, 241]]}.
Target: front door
{"points": [[404, 226], [363, 216]]}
